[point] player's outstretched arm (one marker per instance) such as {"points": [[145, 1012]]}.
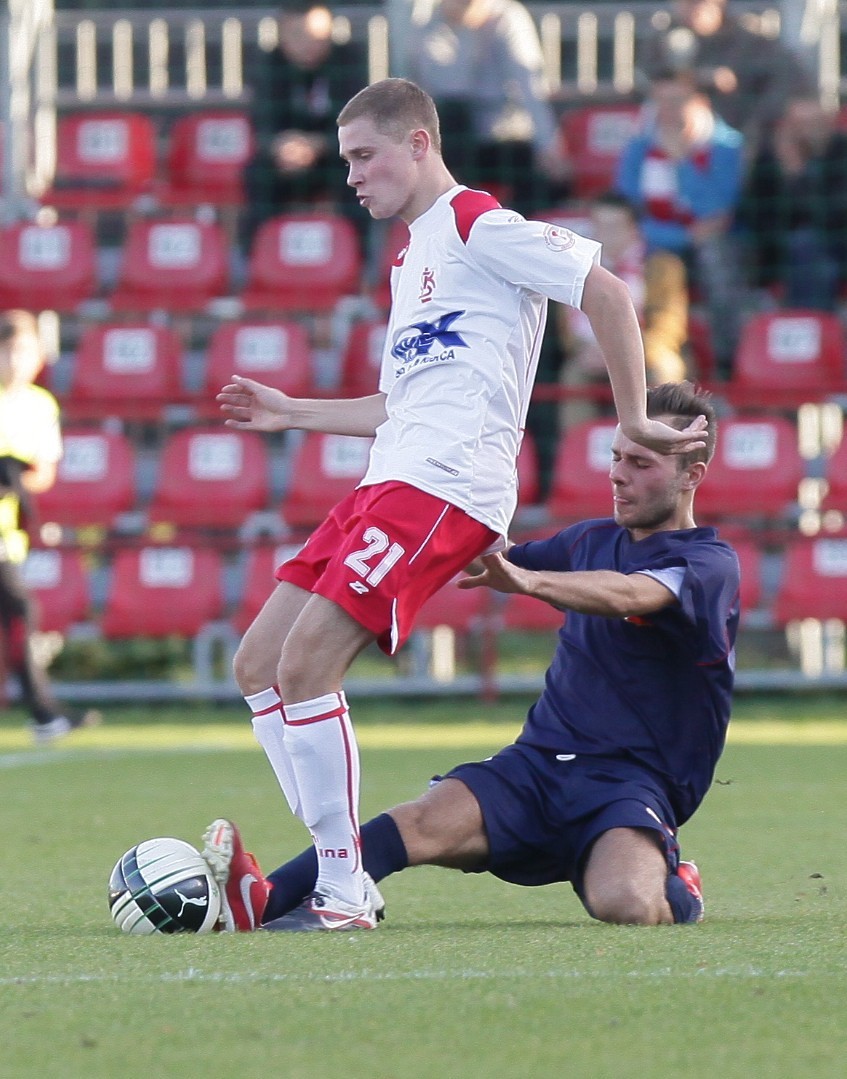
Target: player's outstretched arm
{"points": [[608, 305], [251, 406]]}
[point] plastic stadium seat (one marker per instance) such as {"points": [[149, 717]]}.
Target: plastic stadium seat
{"points": [[104, 161], [259, 580], [302, 262], [158, 591], [58, 580], [795, 351], [206, 155], [95, 481], [394, 241], [581, 486], [457, 608], [750, 561], [530, 615], [529, 485], [360, 362], [133, 369], [178, 265], [594, 136], [210, 477], [755, 471], [325, 469], [47, 267], [277, 353], [813, 582]]}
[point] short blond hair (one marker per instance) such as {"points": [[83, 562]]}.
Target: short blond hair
{"points": [[396, 106]]}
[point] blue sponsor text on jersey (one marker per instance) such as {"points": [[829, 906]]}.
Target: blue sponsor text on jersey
{"points": [[415, 345]]}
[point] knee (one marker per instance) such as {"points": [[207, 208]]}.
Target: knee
{"points": [[251, 675], [627, 905]]}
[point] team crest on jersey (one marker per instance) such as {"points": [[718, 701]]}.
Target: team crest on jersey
{"points": [[427, 342], [427, 285], [558, 238]]}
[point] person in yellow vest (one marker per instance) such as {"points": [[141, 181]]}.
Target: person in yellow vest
{"points": [[30, 449]]}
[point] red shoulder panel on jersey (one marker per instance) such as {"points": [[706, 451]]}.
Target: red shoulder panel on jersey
{"points": [[467, 207]]}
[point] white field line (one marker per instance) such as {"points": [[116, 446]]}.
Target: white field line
{"points": [[255, 978]]}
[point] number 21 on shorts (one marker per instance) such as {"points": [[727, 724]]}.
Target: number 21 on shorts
{"points": [[367, 561]]}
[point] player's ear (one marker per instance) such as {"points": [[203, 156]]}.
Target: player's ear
{"points": [[419, 142], [693, 475]]}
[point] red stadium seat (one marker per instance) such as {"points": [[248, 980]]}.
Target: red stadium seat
{"points": [[360, 362], [178, 265], [325, 469], [59, 582], [836, 479], [210, 478], [302, 262], [259, 580], [813, 582], [529, 484], [47, 267], [750, 561], [206, 155], [594, 136], [132, 369], [95, 481], [529, 615], [458, 608], [754, 473], [277, 353], [104, 161], [795, 352], [395, 240], [581, 486], [159, 591]]}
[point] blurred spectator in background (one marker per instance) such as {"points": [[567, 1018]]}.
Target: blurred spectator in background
{"points": [[794, 207], [298, 90], [747, 77], [657, 285], [684, 173], [481, 61], [30, 448]]}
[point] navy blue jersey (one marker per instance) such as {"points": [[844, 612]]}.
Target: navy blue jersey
{"points": [[655, 689]]}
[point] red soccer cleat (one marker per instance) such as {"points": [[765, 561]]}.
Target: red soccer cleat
{"points": [[244, 890]]}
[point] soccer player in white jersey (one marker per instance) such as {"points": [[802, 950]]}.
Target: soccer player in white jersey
{"points": [[469, 297]]}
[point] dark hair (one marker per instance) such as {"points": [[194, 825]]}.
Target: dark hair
{"points": [[616, 201], [17, 323], [680, 403], [396, 106]]}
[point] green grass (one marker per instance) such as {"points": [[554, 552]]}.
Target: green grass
{"points": [[468, 977]]}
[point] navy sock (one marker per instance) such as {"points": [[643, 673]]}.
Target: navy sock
{"points": [[383, 853], [684, 906]]}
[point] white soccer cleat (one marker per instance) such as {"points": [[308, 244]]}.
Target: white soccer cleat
{"points": [[321, 912]]}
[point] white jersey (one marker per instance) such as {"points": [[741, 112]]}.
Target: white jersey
{"points": [[469, 304]]}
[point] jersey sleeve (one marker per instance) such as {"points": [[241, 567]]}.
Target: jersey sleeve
{"points": [[535, 255], [552, 553]]}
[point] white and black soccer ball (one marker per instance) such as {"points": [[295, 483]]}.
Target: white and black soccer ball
{"points": [[163, 886]]}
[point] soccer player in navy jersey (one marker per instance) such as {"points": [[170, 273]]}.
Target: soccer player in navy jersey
{"points": [[621, 747], [469, 299]]}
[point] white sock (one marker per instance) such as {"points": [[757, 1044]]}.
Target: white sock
{"points": [[269, 730], [324, 759]]}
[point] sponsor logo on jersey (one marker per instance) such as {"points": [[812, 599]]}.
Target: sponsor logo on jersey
{"points": [[427, 285], [427, 342], [558, 238]]}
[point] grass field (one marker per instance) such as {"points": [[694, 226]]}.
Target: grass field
{"points": [[468, 977]]}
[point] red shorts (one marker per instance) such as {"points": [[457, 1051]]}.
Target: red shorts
{"points": [[382, 552]]}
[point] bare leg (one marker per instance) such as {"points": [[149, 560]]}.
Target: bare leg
{"points": [[625, 878]]}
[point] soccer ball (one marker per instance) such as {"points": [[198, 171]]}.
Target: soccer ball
{"points": [[163, 886]]}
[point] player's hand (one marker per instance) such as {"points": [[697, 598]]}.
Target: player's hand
{"points": [[658, 436], [499, 574], [252, 406]]}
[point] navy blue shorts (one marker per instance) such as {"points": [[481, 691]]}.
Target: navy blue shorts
{"points": [[542, 810]]}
